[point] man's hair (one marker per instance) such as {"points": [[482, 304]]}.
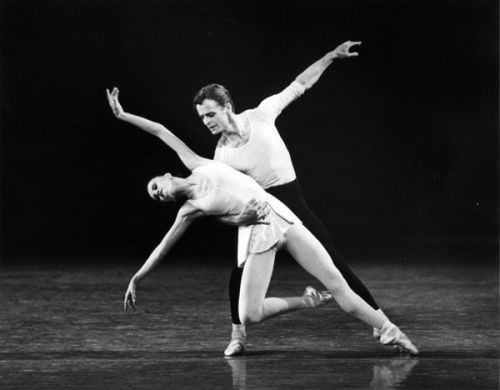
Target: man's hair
{"points": [[215, 92]]}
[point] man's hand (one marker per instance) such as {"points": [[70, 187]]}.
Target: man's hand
{"points": [[114, 103], [311, 75], [342, 51], [129, 301], [255, 212]]}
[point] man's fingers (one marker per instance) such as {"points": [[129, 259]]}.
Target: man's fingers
{"points": [[260, 203], [352, 43], [263, 210]]}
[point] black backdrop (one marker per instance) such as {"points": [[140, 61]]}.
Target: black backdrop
{"points": [[399, 142]]}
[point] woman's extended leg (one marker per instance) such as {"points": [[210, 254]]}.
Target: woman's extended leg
{"points": [[292, 195], [314, 258]]}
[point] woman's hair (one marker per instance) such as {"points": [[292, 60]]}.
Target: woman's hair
{"points": [[152, 187], [215, 92]]}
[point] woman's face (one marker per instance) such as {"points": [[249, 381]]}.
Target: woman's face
{"points": [[214, 116], [161, 188]]}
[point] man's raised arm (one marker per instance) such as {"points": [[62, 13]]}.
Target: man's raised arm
{"points": [[272, 106], [310, 76]]}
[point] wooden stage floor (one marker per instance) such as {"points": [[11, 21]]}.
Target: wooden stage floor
{"points": [[63, 326]]}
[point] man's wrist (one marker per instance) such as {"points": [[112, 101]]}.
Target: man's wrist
{"points": [[332, 55], [122, 115]]}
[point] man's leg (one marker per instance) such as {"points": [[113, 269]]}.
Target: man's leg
{"points": [[238, 334]]}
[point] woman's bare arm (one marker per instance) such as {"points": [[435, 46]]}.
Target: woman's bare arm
{"points": [[190, 159]]}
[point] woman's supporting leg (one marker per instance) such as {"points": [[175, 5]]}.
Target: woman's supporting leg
{"points": [[270, 307], [254, 306]]}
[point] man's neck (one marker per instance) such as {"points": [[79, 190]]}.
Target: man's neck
{"points": [[236, 134]]}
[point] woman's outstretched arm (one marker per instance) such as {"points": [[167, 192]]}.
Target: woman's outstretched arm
{"points": [[190, 159], [186, 214]]}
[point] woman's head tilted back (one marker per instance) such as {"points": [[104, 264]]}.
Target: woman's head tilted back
{"points": [[160, 188]]}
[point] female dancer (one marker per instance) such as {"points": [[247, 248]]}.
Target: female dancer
{"points": [[214, 188], [250, 143]]}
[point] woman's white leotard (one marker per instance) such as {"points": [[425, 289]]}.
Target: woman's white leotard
{"points": [[231, 191]]}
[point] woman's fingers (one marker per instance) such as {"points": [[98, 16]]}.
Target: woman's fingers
{"points": [[112, 98], [129, 302], [125, 302]]}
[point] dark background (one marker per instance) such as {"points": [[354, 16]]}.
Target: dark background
{"points": [[397, 147]]}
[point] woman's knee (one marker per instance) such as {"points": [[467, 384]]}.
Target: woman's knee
{"points": [[250, 315], [335, 282]]}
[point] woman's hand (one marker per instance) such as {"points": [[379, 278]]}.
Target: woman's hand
{"points": [[114, 103], [129, 301]]}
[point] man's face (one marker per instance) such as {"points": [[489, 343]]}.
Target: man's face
{"points": [[214, 116]]}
